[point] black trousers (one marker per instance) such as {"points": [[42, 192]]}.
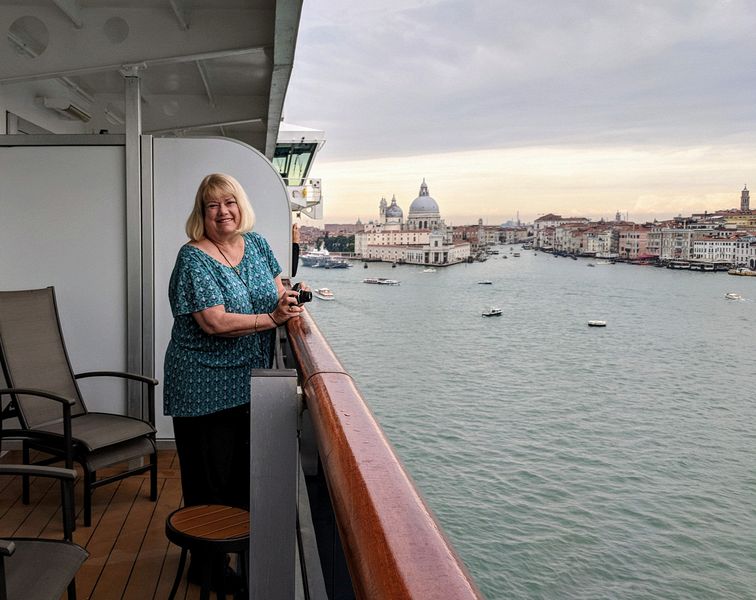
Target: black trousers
{"points": [[214, 454]]}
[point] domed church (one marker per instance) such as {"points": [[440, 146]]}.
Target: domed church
{"points": [[423, 212], [424, 239]]}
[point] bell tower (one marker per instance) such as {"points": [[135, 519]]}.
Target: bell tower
{"points": [[745, 200]]}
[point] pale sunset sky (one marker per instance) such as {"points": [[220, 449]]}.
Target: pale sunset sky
{"points": [[581, 108]]}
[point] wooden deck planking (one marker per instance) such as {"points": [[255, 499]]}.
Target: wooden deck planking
{"points": [[130, 557]]}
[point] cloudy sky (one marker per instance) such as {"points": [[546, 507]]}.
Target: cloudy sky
{"points": [[579, 107]]}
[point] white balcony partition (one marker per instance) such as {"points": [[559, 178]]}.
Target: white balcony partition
{"points": [[179, 166], [62, 223]]}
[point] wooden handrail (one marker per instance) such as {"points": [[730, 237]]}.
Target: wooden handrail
{"points": [[393, 545]]}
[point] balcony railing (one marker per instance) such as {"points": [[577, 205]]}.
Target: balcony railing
{"points": [[393, 545]]}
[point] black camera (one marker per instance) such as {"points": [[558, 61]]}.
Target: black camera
{"points": [[302, 295]]}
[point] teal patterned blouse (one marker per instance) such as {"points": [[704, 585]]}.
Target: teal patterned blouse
{"points": [[206, 373]]}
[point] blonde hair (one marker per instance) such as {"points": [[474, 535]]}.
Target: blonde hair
{"points": [[214, 186]]}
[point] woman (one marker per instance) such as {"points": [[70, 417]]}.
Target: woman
{"points": [[227, 299]]}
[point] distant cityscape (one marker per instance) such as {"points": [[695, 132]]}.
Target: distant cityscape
{"points": [[719, 239]]}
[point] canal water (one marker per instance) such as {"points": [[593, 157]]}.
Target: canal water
{"points": [[565, 461]]}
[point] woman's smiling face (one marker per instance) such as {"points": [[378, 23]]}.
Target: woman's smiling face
{"points": [[222, 216]]}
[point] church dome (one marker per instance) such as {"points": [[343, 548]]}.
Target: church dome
{"points": [[423, 203], [394, 210]]}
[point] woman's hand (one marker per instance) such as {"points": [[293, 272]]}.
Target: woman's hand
{"points": [[287, 307]]}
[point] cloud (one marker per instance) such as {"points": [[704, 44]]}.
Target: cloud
{"points": [[388, 78]]}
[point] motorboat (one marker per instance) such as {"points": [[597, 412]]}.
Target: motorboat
{"points": [[591, 265], [492, 312], [596, 323], [429, 270], [733, 296], [380, 281], [742, 272], [485, 282], [323, 294], [516, 255]]}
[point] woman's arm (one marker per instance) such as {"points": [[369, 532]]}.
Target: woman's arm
{"points": [[216, 321]]}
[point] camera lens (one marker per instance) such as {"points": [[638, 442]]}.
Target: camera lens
{"points": [[304, 296]]}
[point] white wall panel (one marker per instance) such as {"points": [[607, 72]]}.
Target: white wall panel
{"points": [[62, 223]]}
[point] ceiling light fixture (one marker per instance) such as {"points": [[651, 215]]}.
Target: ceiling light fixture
{"points": [[67, 109]]}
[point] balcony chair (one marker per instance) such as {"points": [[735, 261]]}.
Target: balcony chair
{"points": [[46, 399], [38, 568]]}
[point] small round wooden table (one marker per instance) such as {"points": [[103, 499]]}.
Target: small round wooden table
{"points": [[213, 530]]}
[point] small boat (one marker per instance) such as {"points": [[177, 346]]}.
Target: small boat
{"points": [[492, 312], [380, 281], [596, 323], [604, 262], [733, 296], [429, 270], [323, 294], [742, 272], [364, 266], [591, 265], [516, 255], [485, 282]]}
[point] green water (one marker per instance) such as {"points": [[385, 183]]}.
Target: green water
{"points": [[565, 461]]}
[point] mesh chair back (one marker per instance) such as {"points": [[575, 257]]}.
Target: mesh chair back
{"points": [[33, 355]]}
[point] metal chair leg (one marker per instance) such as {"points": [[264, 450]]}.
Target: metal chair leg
{"points": [[179, 573], [88, 479], [206, 572], [153, 476], [25, 495]]}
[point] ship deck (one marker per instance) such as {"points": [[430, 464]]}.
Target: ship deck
{"points": [[129, 555]]}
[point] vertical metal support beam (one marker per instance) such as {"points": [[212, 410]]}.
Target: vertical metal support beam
{"points": [[134, 317], [274, 472], [148, 262]]}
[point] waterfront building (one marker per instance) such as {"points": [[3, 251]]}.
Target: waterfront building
{"points": [[423, 239], [740, 222], [676, 243], [745, 251], [714, 249], [343, 228], [543, 227], [479, 236], [310, 235], [738, 250], [633, 242], [514, 235]]}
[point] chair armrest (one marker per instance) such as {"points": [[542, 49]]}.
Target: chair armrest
{"points": [[7, 547], [122, 374], [41, 393], [66, 403], [38, 471], [150, 381]]}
